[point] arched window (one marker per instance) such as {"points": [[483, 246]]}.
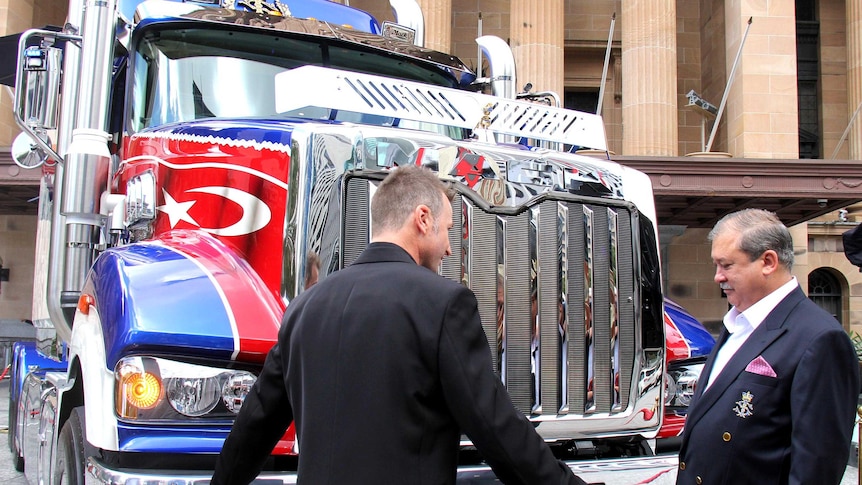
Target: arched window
{"points": [[825, 290]]}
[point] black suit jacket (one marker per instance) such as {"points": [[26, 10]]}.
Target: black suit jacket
{"points": [[794, 428], [383, 365]]}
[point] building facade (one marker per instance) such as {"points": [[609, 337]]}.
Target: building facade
{"points": [[784, 80]]}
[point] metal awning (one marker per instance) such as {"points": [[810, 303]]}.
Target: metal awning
{"points": [[695, 192]]}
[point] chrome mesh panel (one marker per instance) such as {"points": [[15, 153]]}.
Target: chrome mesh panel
{"points": [[357, 220]]}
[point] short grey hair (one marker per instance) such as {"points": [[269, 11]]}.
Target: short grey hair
{"points": [[404, 189], [760, 231]]}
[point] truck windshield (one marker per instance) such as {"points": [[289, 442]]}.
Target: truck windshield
{"points": [[189, 74]]}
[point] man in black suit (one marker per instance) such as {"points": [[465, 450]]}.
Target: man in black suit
{"points": [[776, 401], [383, 364]]}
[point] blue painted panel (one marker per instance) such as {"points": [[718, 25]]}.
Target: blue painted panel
{"points": [[697, 336], [166, 439], [151, 298]]}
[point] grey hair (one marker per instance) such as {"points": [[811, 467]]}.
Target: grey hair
{"points": [[760, 231], [404, 189]]}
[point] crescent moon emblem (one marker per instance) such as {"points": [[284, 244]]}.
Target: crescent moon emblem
{"points": [[255, 213]]}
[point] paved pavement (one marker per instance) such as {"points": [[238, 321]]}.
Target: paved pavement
{"points": [[658, 470]]}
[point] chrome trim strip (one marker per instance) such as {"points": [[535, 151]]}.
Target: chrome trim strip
{"points": [[562, 298], [372, 189], [584, 468], [99, 473], [590, 401], [614, 289], [466, 242], [501, 297], [587, 469], [535, 320]]}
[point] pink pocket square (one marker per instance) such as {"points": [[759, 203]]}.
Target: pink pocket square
{"points": [[760, 367]]}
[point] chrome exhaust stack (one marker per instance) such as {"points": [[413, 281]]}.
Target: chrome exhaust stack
{"points": [[83, 175], [502, 62]]}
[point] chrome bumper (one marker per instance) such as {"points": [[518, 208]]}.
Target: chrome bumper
{"points": [[589, 470], [98, 473]]}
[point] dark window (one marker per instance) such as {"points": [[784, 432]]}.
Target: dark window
{"points": [[586, 100], [825, 290], [806, 10], [808, 77]]}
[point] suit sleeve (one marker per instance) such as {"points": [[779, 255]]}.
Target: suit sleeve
{"points": [[482, 407], [823, 402], [265, 415]]}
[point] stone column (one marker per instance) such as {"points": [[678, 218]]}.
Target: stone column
{"points": [[15, 16], [438, 24], [854, 76], [536, 30], [761, 113], [649, 60]]}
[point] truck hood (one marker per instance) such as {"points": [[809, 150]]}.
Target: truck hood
{"points": [[183, 294]]}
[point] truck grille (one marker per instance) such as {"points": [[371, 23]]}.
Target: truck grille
{"points": [[543, 276]]}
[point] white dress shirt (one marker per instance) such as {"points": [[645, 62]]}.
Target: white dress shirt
{"points": [[741, 325]]}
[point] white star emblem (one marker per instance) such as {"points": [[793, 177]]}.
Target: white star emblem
{"points": [[177, 211]]}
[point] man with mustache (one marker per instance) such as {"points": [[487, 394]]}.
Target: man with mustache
{"points": [[776, 401]]}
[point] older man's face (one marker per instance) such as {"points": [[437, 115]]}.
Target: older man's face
{"points": [[743, 281]]}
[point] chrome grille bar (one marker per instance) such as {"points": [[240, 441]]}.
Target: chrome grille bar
{"points": [[563, 300], [535, 317], [502, 308], [466, 242], [614, 291], [589, 329]]}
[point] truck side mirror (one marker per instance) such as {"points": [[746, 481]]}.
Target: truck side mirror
{"points": [[27, 153], [41, 87], [37, 90]]}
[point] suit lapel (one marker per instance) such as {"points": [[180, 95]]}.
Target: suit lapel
{"points": [[710, 363], [768, 331], [701, 385]]}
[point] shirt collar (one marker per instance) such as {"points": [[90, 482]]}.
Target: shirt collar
{"points": [[735, 321]]}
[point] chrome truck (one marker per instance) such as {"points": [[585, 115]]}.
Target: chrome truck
{"points": [[204, 164]]}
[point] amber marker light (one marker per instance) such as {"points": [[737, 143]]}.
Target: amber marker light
{"points": [[84, 303], [141, 389]]}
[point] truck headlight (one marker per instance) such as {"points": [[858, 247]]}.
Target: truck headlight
{"points": [[192, 396], [236, 388], [681, 382], [157, 389]]}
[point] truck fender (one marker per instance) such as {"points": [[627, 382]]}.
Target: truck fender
{"points": [[90, 381]]}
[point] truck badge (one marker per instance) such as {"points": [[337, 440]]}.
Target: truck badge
{"points": [[259, 7], [745, 408]]}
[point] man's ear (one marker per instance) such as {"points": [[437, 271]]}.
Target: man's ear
{"points": [[423, 218], [770, 261]]}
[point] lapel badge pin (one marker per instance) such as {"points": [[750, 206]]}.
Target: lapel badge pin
{"points": [[744, 407]]}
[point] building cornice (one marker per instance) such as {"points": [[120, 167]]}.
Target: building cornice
{"points": [[697, 191]]}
